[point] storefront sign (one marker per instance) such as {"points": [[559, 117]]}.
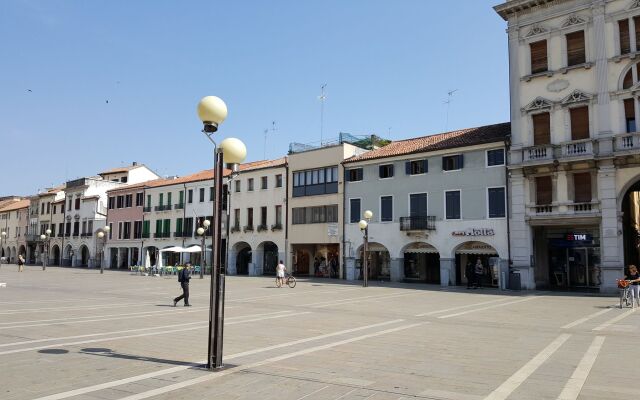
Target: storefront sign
{"points": [[574, 237], [332, 229], [474, 232]]}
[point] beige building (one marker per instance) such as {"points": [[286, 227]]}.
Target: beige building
{"points": [[575, 148], [316, 204], [14, 219]]}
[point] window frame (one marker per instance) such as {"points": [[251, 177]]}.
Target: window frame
{"points": [[380, 208], [504, 158], [359, 172], [409, 202], [488, 205], [423, 160], [460, 164], [444, 217], [360, 216], [393, 171]]}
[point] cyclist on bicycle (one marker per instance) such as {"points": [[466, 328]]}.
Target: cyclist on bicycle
{"points": [[634, 278], [280, 271]]}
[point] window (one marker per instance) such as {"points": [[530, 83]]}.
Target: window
{"points": [[120, 230], [354, 175], [386, 208], [250, 217], [416, 167], [181, 198], [120, 202], [201, 195], [137, 229], [55, 208], [538, 56], [263, 182], [161, 199], [237, 186], [579, 123], [139, 199], [190, 196], [148, 200], [236, 217], [127, 230], [544, 194], [582, 187], [630, 114], [187, 229], [169, 199], [123, 179], [128, 200], [297, 214], [110, 230], [354, 210], [179, 226], [48, 207], [278, 215], [42, 212], [452, 163], [495, 157], [385, 171], [263, 216], [312, 215], [90, 228], [497, 202], [315, 182], [452, 204], [76, 228], [77, 203], [541, 129], [418, 205], [67, 230], [225, 196], [250, 184], [279, 180], [159, 228], [332, 213], [146, 228], [575, 48], [211, 194], [625, 40], [111, 203], [166, 227]]}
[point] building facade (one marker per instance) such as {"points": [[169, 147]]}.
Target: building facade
{"points": [[438, 203], [574, 158], [14, 219], [125, 218], [258, 214]]}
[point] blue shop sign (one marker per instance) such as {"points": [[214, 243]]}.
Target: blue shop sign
{"points": [[573, 240]]}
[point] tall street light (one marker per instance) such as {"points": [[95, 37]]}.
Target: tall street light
{"points": [[102, 235], [46, 238], [212, 111], [201, 231], [364, 227], [3, 235]]}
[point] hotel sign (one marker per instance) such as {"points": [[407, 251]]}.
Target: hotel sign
{"points": [[474, 232]]}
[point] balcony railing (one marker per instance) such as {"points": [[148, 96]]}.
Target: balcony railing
{"points": [[160, 235], [276, 227], [68, 234], [60, 234], [544, 209], [577, 148], [32, 238], [146, 209], [179, 206], [165, 207], [235, 228], [248, 228], [538, 153], [182, 234], [262, 228], [628, 141], [85, 235], [423, 223], [146, 235]]}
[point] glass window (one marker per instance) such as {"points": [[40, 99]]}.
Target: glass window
{"points": [[332, 213], [354, 210], [237, 186], [386, 208], [495, 157], [385, 171], [264, 182], [452, 163], [279, 180], [416, 167], [250, 184], [201, 195], [190, 196], [321, 173], [452, 204], [497, 207], [354, 175]]}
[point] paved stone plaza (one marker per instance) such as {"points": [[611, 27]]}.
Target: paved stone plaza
{"points": [[76, 334]]}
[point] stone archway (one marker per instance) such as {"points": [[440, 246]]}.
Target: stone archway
{"points": [[55, 255], [421, 263], [471, 252], [268, 257], [379, 262], [243, 256], [631, 224], [84, 256]]}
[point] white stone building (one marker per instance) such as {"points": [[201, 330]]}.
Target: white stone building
{"points": [[574, 158], [14, 219]]}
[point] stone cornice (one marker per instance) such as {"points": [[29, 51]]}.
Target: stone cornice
{"points": [[512, 7]]}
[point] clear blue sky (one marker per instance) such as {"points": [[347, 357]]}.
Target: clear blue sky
{"points": [[387, 64]]}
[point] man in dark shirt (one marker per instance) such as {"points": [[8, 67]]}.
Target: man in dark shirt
{"points": [[183, 277]]}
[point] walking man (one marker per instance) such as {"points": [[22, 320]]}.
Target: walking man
{"points": [[20, 263], [183, 277]]}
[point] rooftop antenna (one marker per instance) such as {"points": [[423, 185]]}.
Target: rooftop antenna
{"points": [[266, 131], [448, 103], [322, 98]]}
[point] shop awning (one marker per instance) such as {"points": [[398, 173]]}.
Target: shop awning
{"points": [[421, 248], [178, 249], [476, 248]]}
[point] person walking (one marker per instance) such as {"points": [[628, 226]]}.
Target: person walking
{"points": [[479, 271], [470, 273], [183, 277], [280, 270], [20, 263], [634, 278]]}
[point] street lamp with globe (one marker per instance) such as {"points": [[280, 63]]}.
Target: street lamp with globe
{"points": [[364, 227], [212, 111], [102, 235], [201, 232], [46, 239]]}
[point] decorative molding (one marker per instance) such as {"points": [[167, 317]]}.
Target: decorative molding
{"points": [[540, 103], [574, 19], [536, 29], [576, 96], [558, 85], [634, 4]]}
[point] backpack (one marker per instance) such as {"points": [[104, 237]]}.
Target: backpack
{"points": [[180, 276]]}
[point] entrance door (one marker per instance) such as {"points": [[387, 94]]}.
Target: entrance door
{"points": [[580, 271]]}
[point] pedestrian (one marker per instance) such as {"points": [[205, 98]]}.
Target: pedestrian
{"points": [[470, 273], [280, 270], [479, 271], [20, 263], [183, 277], [634, 278]]}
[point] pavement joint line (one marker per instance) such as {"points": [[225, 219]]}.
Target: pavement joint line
{"points": [[613, 320], [288, 293], [92, 307], [312, 393], [461, 307], [574, 385], [346, 394], [125, 381], [489, 307], [351, 300], [514, 381], [147, 334], [134, 330], [209, 377], [585, 319]]}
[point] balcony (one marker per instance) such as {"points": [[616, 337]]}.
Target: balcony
{"points": [[166, 207], [179, 206], [577, 148], [262, 228], [32, 238], [162, 235], [86, 235], [538, 153], [146, 235], [182, 234], [276, 227], [60, 234], [558, 211], [627, 141], [423, 223], [68, 234], [248, 228], [235, 228], [147, 209]]}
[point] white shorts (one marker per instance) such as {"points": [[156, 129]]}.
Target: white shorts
{"points": [[280, 274]]}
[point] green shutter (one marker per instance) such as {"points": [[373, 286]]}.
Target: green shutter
{"points": [[161, 203], [159, 226], [181, 197], [169, 198], [179, 224], [167, 226]]}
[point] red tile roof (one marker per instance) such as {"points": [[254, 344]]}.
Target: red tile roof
{"points": [[442, 141], [119, 170], [278, 162], [15, 205]]}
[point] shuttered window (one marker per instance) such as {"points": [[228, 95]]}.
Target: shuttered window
{"points": [[538, 56], [354, 210], [628, 80], [452, 204], [625, 42], [575, 48], [497, 207], [630, 114], [579, 123], [582, 187], [541, 129], [636, 21], [543, 190], [386, 208]]}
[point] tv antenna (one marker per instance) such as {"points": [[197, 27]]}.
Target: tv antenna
{"points": [[266, 132], [322, 98], [448, 103]]}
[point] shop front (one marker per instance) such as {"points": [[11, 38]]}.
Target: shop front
{"points": [[477, 256], [378, 262], [320, 260], [421, 263]]}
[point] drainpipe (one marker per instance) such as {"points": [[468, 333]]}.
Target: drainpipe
{"points": [[64, 229], [507, 144], [143, 257], [286, 216], [184, 218], [344, 208]]}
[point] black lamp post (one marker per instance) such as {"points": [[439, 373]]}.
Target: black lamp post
{"points": [[3, 235], [212, 111], [202, 232], [46, 238], [364, 227]]}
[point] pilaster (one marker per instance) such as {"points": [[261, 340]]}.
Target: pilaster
{"points": [[601, 68]]}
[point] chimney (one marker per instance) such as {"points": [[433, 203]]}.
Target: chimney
{"points": [[135, 163]]}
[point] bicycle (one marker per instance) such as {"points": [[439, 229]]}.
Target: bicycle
{"points": [[289, 280], [625, 293]]}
